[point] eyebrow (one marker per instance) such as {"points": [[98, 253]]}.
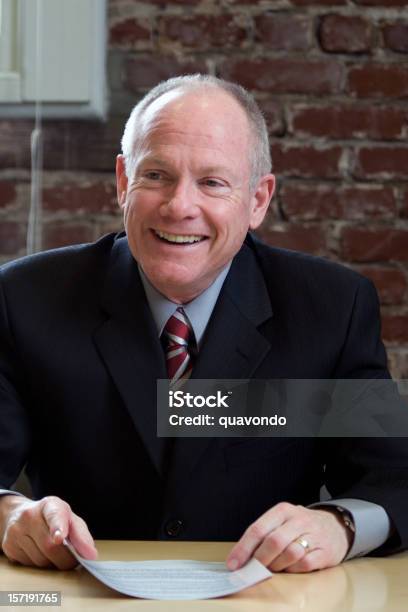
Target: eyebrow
{"points": [[153, 160], [205, 170], [215, 170]]}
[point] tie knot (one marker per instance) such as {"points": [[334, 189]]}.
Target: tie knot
{"points": [[177, 328]]}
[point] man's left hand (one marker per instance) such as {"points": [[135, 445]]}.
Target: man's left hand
{"points": [[293, 539]]}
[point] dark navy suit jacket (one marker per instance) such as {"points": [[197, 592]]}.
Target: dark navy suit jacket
{"points": [[79, 359]]}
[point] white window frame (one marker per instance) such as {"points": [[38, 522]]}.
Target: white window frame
{"points": [[72, 70], [10, 79]]}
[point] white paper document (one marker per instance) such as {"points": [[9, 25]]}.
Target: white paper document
{"points": [[173, 579]]}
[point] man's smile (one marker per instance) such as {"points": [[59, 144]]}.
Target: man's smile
{"points": [[179, 239]]}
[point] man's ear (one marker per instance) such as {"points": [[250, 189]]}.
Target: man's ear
{"points": [[261, 199], [121, 180]]}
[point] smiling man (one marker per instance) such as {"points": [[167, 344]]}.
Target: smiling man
{"points": [[188, 202], [187, 292]]}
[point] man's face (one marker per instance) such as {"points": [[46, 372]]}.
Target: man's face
{"points": [[187, 206]]}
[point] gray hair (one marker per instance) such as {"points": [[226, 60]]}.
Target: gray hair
{"points": [[260, 157]]}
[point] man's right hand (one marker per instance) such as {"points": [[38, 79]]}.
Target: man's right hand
{"points": [[32, 532]]}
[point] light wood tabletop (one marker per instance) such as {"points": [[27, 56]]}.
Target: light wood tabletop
{"points": [[361, 585]]}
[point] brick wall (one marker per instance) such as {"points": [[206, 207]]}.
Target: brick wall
{"points": [[332, 79]]}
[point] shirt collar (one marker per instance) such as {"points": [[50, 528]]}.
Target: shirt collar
{"points": [[198, 310]]}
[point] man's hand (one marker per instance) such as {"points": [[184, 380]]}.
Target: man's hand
{"points": [[273, 539], [32, 532]]}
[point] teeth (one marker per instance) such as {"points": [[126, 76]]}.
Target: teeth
{"points": [[178, 237]]}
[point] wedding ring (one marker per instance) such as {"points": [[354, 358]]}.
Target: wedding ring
{"points": [[303, 542]]}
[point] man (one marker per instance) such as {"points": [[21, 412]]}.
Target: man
{"points": [[83, 340]]}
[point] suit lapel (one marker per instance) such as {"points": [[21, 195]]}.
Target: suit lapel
{"points": [[232, 348], [129, 346]]}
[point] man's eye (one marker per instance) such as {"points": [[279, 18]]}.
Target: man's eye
{"points": [[212, 183], [153, 175]]}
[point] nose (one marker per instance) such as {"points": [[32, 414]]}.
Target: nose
{"points": [[181, 201]]}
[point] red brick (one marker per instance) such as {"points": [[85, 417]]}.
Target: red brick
{"points": [[273, 116], [7, 193], [395, 328], [318, 2], [404, 212], [60, 234], [203, 31], [374, 245], [12, 237], [130, 33], [163, 3], [310, 203], [381, 3], [368, 202], [15, 143], [264, 3], [327, 202], [382, 162], [68, 145], [342, 34], [285, 75], [82, 145], [283, 31], [294, 237], [306, 161], [146, 71], [350, 121], [391, 283], [396, 37], [378, 81], [95, 198]]}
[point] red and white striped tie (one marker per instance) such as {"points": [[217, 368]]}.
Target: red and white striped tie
{"points": [[178, 358]]}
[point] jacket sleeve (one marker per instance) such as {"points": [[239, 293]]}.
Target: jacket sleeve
{"points": [[369, 468], [14, 421]]}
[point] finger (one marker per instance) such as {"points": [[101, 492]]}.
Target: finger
{"points": [[57, 555], [61, 558], [314, 560], [56, 514], [63, 523], [19, 556], [292, 554], [275, 542], [30, 548], [253, 536], [81, 539]]}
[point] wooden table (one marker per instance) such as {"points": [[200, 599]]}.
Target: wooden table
{"points": [[362, 585]]}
